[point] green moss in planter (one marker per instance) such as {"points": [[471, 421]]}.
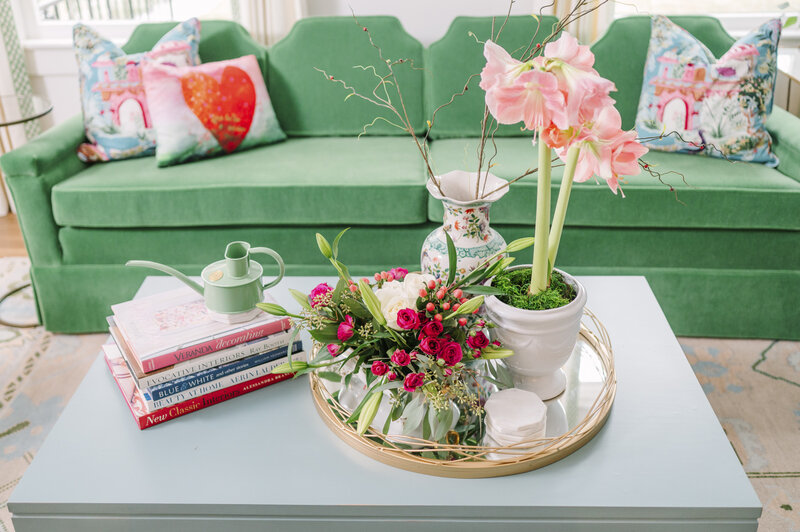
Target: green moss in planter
{"points": [[515, 284]]}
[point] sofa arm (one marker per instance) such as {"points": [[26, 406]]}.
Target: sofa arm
{"points": [[31, 171], [784, 128]]}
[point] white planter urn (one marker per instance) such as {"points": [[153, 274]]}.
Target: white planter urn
{"points": [[466, 220], [542, 340]]}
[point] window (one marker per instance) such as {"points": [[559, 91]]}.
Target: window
{"points": [[53, 19]]}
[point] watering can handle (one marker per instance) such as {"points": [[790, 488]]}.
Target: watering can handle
{"points": [[278, 259]]}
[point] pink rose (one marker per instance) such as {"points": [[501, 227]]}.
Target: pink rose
{"points": [[433, 328], [319, 290], [413, 381], [333, 349], [379, 368], [401, 358], [345, 330], [430, 345], [451, 353], [391, 376], [398, 273], [478, 340], [407, 319]]}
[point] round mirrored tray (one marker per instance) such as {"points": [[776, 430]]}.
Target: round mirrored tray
{"points": [[573, 418]]}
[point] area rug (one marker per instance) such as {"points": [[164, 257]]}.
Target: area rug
{"points": [[753, 386], [39, 372]]}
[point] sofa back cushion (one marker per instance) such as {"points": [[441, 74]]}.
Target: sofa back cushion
{"points": [[458, 55], [309, 104], [219, 40], [621, 53]]}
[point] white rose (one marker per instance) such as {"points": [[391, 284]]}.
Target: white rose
{"points": [[394, 297], [414, 282]]}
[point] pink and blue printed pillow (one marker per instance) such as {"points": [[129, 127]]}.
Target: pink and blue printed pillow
{"points": [[116, 113], [210, 109], [692, 102]]}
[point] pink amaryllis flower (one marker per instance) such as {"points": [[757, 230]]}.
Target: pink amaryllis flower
{"points": [[607, 151], [584, 90], [520, 92]]}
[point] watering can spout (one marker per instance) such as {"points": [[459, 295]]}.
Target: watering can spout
{"points": [[166, 269]]}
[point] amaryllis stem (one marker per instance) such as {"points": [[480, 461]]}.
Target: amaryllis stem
{"points": [[561, 205], [541, 234]]}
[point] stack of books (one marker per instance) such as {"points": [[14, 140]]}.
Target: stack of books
{"points": [[169, 358]]}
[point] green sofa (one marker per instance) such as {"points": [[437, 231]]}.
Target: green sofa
{"points": [[723, 261]]}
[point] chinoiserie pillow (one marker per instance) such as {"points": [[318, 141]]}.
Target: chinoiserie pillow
{"points": [[210, 109], [115, 111], [692, 102]]}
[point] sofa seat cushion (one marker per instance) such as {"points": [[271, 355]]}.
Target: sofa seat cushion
{"points": [[716, 194], [324, 180]]}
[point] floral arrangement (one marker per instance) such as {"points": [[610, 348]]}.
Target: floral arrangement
{"points": [[560, 97], [417, 342]]}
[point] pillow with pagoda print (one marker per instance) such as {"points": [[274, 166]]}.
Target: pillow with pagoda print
{"points": [[692, 102], [116, 114], [210, 109]]}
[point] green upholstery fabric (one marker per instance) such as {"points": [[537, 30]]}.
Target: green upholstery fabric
{"points": [[784, 128], [296, 245], [219, 40], [717, 193], [580, 246], [308, 104], [30, 172], [457, 56], [621, 53], [300, 181]]}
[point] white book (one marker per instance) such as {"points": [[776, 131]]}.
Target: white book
{"points": [[168, 321]]}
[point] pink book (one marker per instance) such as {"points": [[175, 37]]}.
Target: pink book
{"points": [[138, 407], [175, 326]]}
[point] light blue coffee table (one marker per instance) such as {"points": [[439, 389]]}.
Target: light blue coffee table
{"points": [[265, 461]]}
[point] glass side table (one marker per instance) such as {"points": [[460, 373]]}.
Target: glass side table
{"points": [[16, 110]]}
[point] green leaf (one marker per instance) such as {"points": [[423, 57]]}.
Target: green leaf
{"points": [[326, 335], [291, 367], [519, 244], [368, 412], [336, 242], [499, 266], [301, 298], [414, 413], [341, 268], [273, 308], [491, 352], [329, 376], [790, 21], [452, 258], [467, 308], [445, 418], [324, 246], [483, 290], [357, 309], [439, 422], [371, 302]]}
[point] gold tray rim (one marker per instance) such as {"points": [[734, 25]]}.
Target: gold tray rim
{"points": [[557, 448]]}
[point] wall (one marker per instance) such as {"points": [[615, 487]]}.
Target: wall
{"points": [[426, 20]]}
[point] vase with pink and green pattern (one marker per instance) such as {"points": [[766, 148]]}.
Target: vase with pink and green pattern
{"points": [[466, 219]]}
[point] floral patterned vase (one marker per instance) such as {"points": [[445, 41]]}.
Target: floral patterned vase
{"points": [[466, 220]]}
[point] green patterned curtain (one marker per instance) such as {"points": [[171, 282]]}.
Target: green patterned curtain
{"points": [[16, 62]]}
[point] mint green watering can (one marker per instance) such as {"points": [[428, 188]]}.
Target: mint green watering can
{"points": [[231, 285]]}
